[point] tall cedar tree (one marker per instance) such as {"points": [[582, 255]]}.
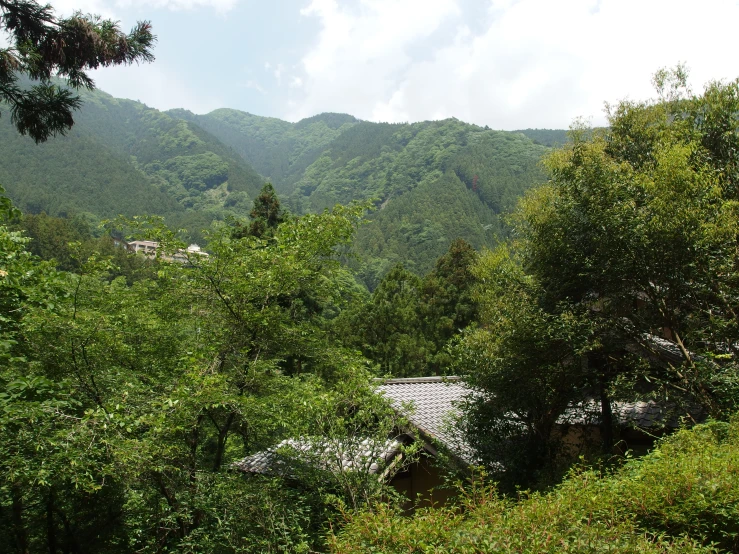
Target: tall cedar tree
{"points": [[266, 215], [44, 46]]}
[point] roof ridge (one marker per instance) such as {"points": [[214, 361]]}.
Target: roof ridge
{"points": [[403, 380]]}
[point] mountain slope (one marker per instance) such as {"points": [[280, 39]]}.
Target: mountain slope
{"points": [[276, 149], [403, 168], [75, 174], [430, 182], [123, 157]]}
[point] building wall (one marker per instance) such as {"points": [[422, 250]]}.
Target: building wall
{"points": [[422, 481]]}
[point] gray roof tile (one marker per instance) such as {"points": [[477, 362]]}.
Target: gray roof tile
{"points": [[431, 404], [332, 455]]}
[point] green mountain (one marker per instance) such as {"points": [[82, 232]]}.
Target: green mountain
{"points": [[277, 149], [122, 157], [547, 137], [430, 182]]}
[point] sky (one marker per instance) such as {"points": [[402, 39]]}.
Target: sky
{"points": [[508, 64]]}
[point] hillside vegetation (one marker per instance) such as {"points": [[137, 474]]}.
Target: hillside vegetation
{"points": [[130, 386], [683, 497], [431, 182], [122, 157]]}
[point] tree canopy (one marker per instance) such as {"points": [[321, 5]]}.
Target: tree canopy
{"points": [[44, 46], [621, 281]]}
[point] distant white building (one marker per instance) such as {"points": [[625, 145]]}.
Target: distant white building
{"points": [[150, 247]]}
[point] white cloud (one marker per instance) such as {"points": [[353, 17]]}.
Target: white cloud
{"points": [[220, 6], [255, 86], [98, 7], [296, 82], [156, 87], [531, 63], [108, 8], [362, 50], [277, 72]]}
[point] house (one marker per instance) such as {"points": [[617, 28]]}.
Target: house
{"points": [[150, 248], [146, 247], [332, 455], [428, 405], [431, 405]]}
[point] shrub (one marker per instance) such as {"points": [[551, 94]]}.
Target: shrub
{"points": [[683, 497]]}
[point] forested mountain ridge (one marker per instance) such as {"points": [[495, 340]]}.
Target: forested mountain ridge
{"points": [[123, 157], [277, 149], [431, 182], [547, 137]]}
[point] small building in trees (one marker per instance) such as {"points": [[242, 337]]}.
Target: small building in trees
{"points": [[413, 461], [431, 406], [151, 247]]}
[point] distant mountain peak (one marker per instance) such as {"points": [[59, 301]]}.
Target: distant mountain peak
{"points": [[331, 119]]}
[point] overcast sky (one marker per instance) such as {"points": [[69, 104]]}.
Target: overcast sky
{"points": [[503, 63]]}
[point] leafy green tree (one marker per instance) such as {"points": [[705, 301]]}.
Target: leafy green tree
{"points": [[623, 283], [447, 306], [525, 364], [124, 404], [408, 322], [44, 46], [388, 327], [640, 223]]}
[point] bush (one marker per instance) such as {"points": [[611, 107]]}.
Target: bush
{"points": [[683, 497]]}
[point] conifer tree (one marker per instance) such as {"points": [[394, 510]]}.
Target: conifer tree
{"points": [[266, 215], [45, 46]]}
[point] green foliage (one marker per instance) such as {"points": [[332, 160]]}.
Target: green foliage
{"points": [[124, 404], [279, 150], [125, 158], [266, 215], [680, 498], [620, 283], [642, 218], [433, 181], [43, 46], [526, 364], [408, 322], [200, 172], [547, 137], [74, 174], [69, 242], [418, 227], [387, 327]]}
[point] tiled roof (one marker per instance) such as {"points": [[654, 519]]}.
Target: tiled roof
{"points": [[366, 455], [653, 346], [431, 405], [642, 414]]}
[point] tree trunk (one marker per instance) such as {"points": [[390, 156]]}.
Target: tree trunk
{"points": [[222, 439], [19, 529], [606, 418], [50, 527]]}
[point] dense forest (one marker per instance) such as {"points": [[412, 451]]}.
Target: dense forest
{"points": [[124, 158], [132, 385], [429, 183]]}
